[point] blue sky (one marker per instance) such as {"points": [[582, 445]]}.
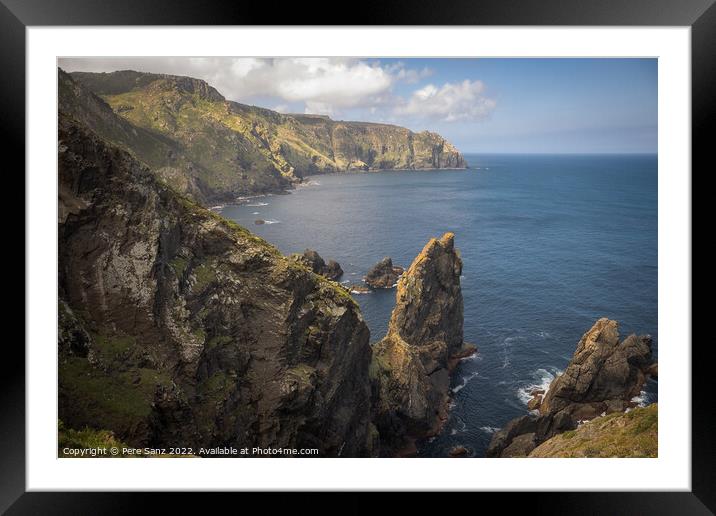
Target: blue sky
{"points": [[480, 105]]}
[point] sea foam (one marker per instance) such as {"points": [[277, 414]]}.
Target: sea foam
{"points": [[542, 379]]}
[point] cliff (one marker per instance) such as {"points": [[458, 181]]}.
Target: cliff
{"points": [[225, 149], [411, 366], [634, 434], [177, 326], [602, 378]]}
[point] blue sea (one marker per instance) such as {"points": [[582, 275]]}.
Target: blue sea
{"points": [[550, 243]]}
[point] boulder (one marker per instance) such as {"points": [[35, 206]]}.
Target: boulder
{"points": [[458, 451], [535, 402], [383, 274]]}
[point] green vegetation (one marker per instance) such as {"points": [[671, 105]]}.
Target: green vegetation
{"points": [[218, 342], [87, 438], [205, 274], [634, 434], [113, 348], [120, 400], [179, 264]]}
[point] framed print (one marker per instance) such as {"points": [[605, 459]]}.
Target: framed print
{"points": [[445, 252]]}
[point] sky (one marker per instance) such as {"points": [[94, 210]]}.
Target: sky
{"points": [[490, 105]]}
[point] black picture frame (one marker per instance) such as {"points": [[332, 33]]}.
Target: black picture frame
{"points": [[700, 15]]}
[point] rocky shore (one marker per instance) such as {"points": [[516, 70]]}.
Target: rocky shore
{"points": [[603, 377]]}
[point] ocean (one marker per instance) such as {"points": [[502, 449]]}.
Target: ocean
{"points": [[550, 243]]}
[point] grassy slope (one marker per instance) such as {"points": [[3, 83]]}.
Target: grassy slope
{"points": [[634, 434]]}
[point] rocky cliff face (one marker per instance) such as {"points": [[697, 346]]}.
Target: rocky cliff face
{"points": [[180, 327], [411, 365], [229, 149], [602, 378]]}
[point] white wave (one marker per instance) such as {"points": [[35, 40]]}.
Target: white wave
{"points": [[460, 428], [255, 213], [475, 357], [507, 351], [543, 334], [465, 380], [360, 292], [218, 207], [257, 204], [542, 379], [642, 400], [272, 221], [489, 429]]}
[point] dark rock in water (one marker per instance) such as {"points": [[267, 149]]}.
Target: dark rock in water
{"points": [[359, 289], [192, 330], [311, 259], [653, 370], [458, 451], [383, 274], [602, 377], [333, 270], [258, 222], [411, 365]]}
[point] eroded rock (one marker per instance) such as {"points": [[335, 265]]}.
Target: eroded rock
{"points": [[383, 274], [411, 365]]}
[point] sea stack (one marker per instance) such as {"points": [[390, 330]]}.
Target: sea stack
{"points": [[383, 274], [602, 377], [410, 368]]}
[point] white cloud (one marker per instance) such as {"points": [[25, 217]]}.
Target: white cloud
{"points": [[329, 86], [323, 85], [451, 102]]}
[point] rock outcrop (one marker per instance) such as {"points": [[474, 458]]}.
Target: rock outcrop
{"points": [[214, 150], [602, 377], [311, 259], [411, 365], [383, 274], [179, 327]]}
